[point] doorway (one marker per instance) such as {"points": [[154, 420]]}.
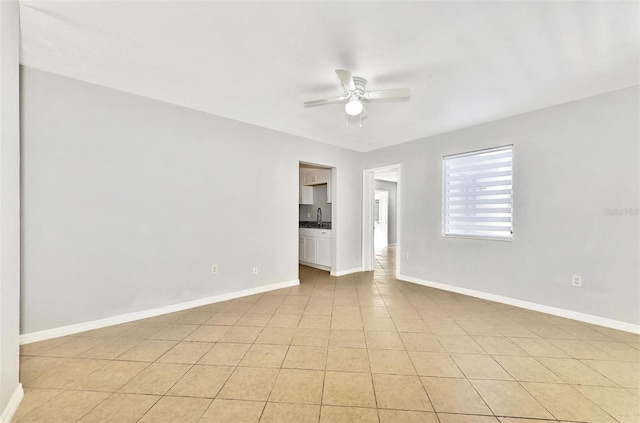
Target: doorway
{"points": [[381, 217]]}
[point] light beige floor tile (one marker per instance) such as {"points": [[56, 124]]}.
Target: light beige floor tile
{"points": [[74, 347], [411, 326], [176, 409], [291, 309], [510, 399], [622, 373], [373, 312], [284, 321], [618, 350], [348, 359], [148, 351], [156, 379], [226, 411], [260, 355], [333, 414], [241, 335], [311, 337], [111, 349], [539, 348], [110, 377], [225, 354], [37, 348], [462, 344], [225, 319], [466, 418], [347, 339], [383, 341], [201, 381], [518, 420], [580, 349], [254, 319], [318, 309], [302, 357], [68, 406], [381, 324], [575, 372], [298, 386], [346, 323], [434, 364], [400, 392], [276, 336], [444, 327], [404, 416], [565, 403], [174, 332], [296, 299], [195, 317], [290, 413], [249, 383], [315, 322], [186, 352], [121, 408], [619, 403], [391, 362], [348, 389], [454, 396], [479, 366], [527, 369], [421, 342], [68, 371], [35, 367], [499, 345], [33, 398], [208, 333]]}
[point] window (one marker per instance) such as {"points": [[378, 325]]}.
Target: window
{"points": [[478, 196]]}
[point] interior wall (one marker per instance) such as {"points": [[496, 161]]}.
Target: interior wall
{"points": [[576, 199], [392, 187], [127, 202], [9, 203]]}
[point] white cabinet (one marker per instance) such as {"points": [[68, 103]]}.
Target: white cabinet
{"points": [[315, 247], [316, 177], [323, 251], [306, 192]]}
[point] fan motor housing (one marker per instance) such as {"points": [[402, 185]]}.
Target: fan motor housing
{"points": [[360, 83]]}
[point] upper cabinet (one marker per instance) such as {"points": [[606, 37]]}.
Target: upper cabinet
{"points": [[306, 191], [316, 177]]}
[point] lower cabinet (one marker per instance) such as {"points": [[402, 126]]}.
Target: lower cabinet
{"points": [[315, 247]]}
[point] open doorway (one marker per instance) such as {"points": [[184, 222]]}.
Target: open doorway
{"points": [[381, 189]]}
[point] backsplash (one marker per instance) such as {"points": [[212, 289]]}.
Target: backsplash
{"points": [[319, 200]]}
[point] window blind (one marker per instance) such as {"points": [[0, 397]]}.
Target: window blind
{"points": [[478, 195]]}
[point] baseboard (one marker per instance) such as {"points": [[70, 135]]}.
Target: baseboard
{"points": [[315, 266], [43, 335], [12, 405], [569, 314], [346, 272]]}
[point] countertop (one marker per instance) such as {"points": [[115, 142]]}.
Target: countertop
{"points": [[315, 225]]}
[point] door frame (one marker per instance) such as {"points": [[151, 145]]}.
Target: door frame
{"points": [[368, 191]]}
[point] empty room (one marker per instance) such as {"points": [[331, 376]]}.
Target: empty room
{"points": [[307, 211]]}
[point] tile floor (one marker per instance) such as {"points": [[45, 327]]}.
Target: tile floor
{"points": [[363, 347]]}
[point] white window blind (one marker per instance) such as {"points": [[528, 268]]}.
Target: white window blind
{"points": [[478, 195]]}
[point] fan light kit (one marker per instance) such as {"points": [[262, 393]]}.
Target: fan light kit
{"points": [[354, 92]]}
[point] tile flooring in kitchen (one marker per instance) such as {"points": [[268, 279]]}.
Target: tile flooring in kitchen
{"points": [[363, 347]]}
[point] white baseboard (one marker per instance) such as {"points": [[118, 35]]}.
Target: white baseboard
{"points": [[12, 405], [315, 266], [346, 272], [43, 335], [569, 314]]}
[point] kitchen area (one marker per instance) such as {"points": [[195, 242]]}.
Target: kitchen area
{"points": [[315, 216]]}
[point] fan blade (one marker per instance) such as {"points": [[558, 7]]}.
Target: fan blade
{"points": [[347, 79], [391, 93], [325, 101]]}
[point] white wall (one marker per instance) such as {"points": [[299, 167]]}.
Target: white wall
{"points": [[392, 187], [127, 202], [571, 162], [9, 206]]}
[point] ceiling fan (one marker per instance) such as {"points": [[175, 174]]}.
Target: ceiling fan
{"points": [[354, 93]]}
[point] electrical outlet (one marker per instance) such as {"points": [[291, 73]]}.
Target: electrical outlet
{"points": [[255, 270], [576, 280], [406, 255], [214, 269]]}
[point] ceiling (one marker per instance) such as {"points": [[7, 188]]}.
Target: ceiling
{"points": [[465, 62]]}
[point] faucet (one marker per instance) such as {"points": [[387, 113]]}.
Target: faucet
{"points": [[319, 217]]}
